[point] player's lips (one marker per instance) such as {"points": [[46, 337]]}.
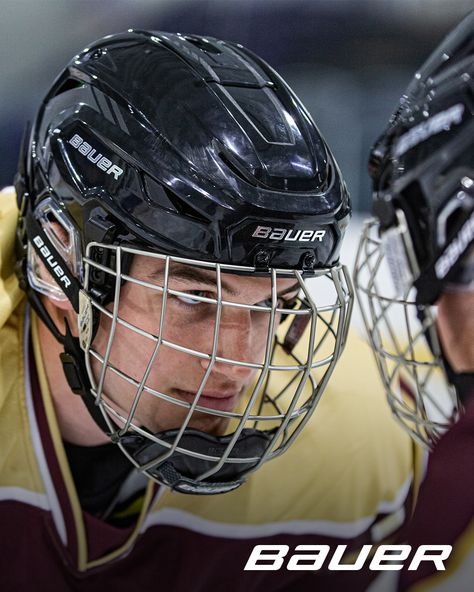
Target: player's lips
{"points": [[219, 400]]}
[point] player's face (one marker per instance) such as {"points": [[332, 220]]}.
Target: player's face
{"points": [[456, 327], [188, 323]]}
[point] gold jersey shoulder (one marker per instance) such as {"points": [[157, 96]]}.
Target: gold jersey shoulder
{"points": [[18, 462]]}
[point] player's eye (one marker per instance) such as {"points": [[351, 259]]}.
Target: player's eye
{"points": [[281, 302], [188, 300], [268, 302]]}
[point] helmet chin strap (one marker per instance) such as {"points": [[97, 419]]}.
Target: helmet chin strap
{"points": [[72, 360], [75, 371]]}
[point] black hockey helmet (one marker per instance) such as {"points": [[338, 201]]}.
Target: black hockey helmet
{"points": [[423, 166], [192, 146]]}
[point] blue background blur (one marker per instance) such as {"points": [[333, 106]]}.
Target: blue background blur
{"points": [[348, 60]]}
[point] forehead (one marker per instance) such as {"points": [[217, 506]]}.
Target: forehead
{"points": [[195, 277]]}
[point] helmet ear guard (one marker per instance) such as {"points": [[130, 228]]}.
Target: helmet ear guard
{"points": [[48, 270], [63, 236]]}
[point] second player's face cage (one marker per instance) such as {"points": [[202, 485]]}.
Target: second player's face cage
{"points": [[179, 400], [402, 335]]}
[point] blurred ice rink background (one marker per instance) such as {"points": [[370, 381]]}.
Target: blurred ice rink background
{"points": [[349, 60]]}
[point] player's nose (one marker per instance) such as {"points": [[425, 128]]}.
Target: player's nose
{"points": [[238, 344]]}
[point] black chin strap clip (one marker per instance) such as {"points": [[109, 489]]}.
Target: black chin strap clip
{"points": [[75, 371]]}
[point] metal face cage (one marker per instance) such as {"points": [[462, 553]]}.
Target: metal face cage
{"points": [[203, 371], [403, 334]]}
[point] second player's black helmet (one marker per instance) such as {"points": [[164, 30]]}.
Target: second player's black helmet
{"points": [[422, 168], [423, 165]]}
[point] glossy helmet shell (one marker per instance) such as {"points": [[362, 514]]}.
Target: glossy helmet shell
{"points": [[188, 146], [423, 164]]}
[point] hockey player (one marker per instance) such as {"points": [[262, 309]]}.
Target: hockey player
{"points": [[423, 173], [173, 206]]}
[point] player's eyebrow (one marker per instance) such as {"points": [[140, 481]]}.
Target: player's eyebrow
{"points": [[202, 276], [195, 274]]}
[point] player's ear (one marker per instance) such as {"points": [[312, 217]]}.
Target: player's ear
{"points": [[64, 305], [60, 312]]}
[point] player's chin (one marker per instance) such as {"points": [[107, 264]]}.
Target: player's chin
{"points": [[217, 426], [170, 417]]}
